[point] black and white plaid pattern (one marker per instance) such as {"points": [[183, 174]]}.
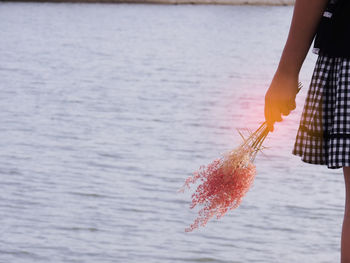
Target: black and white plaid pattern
{"points": [[323, 136]]}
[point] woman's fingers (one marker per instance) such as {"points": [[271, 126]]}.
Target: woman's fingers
{"points": [[284, 109], [293, 105], [277, 115], [287, 107], [268, 116], [272, 114]]}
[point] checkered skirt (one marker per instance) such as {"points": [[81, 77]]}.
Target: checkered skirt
{"points": [[323, 136]]}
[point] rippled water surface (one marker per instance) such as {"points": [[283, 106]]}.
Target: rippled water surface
{"points": [[106, 109]]}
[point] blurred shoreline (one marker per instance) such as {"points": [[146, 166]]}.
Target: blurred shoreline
{"points": [[193, 2]]}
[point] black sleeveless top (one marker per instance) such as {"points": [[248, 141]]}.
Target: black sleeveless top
{"points": [[333, 33]]}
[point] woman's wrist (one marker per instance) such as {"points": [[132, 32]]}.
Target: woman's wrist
{"points": [[287, 72], [290, 63]]}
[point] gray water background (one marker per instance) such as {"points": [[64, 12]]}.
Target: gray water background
{"points": [[106, 109]]}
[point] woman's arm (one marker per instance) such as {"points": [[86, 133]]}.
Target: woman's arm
{"points": [[280, 97]]}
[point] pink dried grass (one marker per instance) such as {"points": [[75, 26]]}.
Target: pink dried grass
{"points": [[225, 181]]}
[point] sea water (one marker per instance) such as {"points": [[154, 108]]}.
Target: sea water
{"points": [[105, 109]]}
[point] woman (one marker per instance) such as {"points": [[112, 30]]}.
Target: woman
{"points": [[324, 132]]}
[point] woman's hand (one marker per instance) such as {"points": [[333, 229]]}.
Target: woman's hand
{"points": [[280, 98]]}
